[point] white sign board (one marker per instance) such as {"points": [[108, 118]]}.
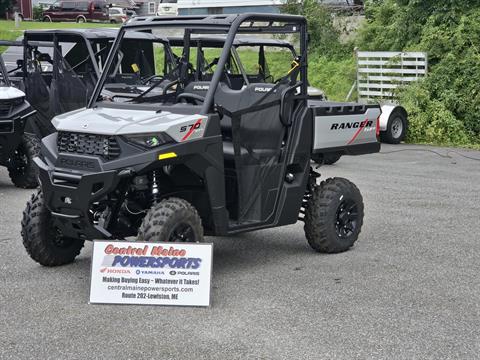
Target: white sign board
{"points": [[151, 273]]}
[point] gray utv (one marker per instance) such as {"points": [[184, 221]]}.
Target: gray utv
{"points": [[186, 157]]}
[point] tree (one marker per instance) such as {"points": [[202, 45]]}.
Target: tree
{"points": [[324, 37], [449, 31], [5, 5]]}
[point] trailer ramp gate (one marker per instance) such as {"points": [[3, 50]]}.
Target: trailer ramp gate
{"points": [[381, 73]]}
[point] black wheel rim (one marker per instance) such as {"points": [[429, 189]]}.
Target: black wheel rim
{"points": [[347, 219], [182, 233], [20, 161], [58, 240]]}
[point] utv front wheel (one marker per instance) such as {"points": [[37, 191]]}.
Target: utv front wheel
{"points": [[171, 220], [334, 216], [43, 242], [22, 170]]}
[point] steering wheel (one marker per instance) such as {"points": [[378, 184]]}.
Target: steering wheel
{"points": [[168, 86], [194, 97], [147, 79]]}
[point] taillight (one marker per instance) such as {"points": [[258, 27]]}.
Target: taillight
{"points": [[377, 130]]}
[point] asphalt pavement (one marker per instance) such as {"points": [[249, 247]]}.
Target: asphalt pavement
{"points": [[409, 289]]}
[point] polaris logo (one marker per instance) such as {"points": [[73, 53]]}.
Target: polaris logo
{"points": [[201, 87], [352, 125], [83, 164], [262, 89]]}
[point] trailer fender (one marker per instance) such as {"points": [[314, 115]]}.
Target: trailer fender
{"points": [[387, 110]]}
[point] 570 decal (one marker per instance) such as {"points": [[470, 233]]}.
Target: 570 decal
{"points": [[190, 128]]}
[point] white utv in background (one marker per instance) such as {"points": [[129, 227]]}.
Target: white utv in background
{"points": [[183, 156], [17, 149]]}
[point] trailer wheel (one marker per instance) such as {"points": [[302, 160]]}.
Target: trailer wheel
{"points": [[81, 19], [171, 220], [333, 216], [43, 242], [47, 19], [396, 128], [22, 169]]}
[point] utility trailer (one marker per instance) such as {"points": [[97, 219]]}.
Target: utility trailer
{"points": [[216, 157], [379, 76]]}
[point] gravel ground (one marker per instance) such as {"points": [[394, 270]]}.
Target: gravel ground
{"points": [[409, 289]]}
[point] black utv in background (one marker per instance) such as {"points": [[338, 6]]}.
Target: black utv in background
{"points": [[17, 148]]}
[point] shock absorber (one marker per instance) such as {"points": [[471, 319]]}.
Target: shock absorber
{"points": [[312, 183], [155, 187]]}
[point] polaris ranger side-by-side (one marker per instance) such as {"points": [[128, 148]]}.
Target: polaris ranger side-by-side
{"points": [[186, 157], [17, 148]]}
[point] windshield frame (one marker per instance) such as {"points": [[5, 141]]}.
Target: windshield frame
{"points": [[222, 24], [4, 73]]}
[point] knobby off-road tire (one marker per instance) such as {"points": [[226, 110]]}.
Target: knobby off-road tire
{"points": [[334, 216], [23, 171], [42, 241], [171, 220]]}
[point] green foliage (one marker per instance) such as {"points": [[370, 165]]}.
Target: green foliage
{"points": [[4, 6], [445, 107], [8, 35], [6, 25], [334, 76], [37, 12], [324, 37], [331, 62]]}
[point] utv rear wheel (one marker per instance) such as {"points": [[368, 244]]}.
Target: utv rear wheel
{"points": [[171, 220], [334, 216], [43, 242], [22, 169]]}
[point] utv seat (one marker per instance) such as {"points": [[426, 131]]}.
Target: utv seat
{"points": [[262, 131]]}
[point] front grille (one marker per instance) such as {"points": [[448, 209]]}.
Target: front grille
{"points": [[88, 144], [5, 107]]}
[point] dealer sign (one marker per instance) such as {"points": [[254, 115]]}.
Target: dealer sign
{"points": [[151, 273]]}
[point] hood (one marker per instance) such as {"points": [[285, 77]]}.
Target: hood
{"points": [[9, 93], [117, 121]]}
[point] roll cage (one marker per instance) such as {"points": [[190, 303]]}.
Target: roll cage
{"points": [[4, 79], [207, 42], [228, 25]]}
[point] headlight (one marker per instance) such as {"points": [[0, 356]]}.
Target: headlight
{"points": [[18, 101], [149, 141]]}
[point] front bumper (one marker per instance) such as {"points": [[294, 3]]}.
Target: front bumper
{"points": [[69, 197], [11, 130]]}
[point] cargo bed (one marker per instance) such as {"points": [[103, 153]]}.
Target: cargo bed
{"points": [[346, 128]]}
